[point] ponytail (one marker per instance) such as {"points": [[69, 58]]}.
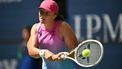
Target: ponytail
{"points": [[59, 17]]}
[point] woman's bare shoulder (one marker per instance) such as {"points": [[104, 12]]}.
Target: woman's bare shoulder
{"points": [[65, 26], [34, 27]]}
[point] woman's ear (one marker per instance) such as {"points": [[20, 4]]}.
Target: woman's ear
{"points": [[54, 16]]}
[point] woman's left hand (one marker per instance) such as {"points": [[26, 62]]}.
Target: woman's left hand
{"points": [[57, 57]]}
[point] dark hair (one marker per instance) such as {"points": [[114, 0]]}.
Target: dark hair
{"points": [[59, 17]]}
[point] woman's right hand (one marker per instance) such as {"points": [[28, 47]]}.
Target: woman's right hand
{"points": [[48, 55], [53, 57], [57, 57]]}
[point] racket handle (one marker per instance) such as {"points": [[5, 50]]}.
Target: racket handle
{"points": [[64, 55]]}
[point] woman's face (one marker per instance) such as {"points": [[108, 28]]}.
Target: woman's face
{"points": [[45, 17]]}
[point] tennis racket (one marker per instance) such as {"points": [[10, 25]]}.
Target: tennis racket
{"points": [[96, 53]]}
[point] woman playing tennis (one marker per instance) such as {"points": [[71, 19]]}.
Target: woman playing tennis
{"points": [[51, 36]]}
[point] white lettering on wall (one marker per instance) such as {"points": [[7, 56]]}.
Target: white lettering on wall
{"points": [[10, 1], [8, 64], [110, 30], [77, 20], [90, 29]]}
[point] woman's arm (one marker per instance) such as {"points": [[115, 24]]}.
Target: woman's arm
{"points": [[32, 45], [68, 36]]}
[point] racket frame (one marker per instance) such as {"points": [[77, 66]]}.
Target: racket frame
{"points": [[74, 59]]}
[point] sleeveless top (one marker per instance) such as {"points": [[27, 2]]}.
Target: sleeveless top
{"points": [[50, 39]]}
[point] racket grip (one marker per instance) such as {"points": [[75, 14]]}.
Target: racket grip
{"points": [[64, 55]]}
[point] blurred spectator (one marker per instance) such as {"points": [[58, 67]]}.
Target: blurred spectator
{"points": [[25, 61]]}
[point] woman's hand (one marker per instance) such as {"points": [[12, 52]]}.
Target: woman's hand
{"points": [[54, 57], [48, 55], [51, 56], [58, 57]]}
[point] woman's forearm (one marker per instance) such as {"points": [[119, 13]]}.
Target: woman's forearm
{"points": [[34, 52]]}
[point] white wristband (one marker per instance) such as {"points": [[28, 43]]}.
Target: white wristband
{"points": [[42, 52]]}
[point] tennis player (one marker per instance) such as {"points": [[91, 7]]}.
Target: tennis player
{"points": [[51, 36]]}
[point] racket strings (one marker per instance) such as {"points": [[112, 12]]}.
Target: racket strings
{"points": [[94, 56]]}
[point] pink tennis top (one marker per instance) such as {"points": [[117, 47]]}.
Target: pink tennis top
{"points": [[50, 39]]}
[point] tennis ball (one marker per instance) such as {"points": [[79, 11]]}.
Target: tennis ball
{"points": [[86, 53]]}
